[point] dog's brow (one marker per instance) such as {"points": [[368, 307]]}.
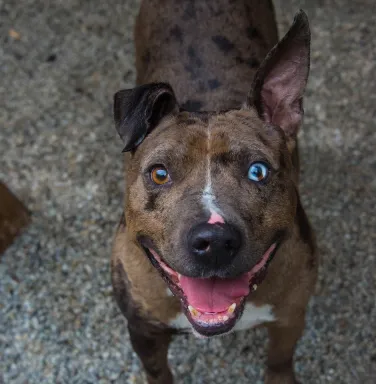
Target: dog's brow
{"points": [[159, 155], [244, 155]]}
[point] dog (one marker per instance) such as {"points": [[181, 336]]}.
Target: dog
{"points": [[214, 237]]}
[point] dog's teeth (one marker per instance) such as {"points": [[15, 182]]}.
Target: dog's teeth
{"points": [[179, 276], [225, 318], [254, 287], [231, 308], [194, 312]]}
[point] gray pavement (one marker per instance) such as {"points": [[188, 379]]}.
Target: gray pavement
{"points": [[60, 63]]}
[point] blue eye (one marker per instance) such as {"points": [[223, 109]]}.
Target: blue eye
{"points": [[258, 172]]}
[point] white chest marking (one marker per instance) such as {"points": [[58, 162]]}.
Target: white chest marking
{"points": [[251, 317], [180, 322]]}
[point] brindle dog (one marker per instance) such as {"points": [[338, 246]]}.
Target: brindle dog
{"points": [[214, 236]]}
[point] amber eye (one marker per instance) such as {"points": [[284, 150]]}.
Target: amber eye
{"points": [[159, 175]]}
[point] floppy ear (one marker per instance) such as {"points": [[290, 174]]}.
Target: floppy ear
{"points": [[279, 83], [139, 110]]}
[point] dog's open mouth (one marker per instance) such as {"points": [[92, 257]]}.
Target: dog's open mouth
{"points": [[212, 305]]}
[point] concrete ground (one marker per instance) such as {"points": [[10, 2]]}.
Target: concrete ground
{"points": [[60, 63]]}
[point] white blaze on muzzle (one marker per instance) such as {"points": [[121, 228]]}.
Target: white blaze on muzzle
{"points": [[208, 197]]}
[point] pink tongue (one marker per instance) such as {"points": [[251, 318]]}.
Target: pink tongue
{"points": [[214, 294]]}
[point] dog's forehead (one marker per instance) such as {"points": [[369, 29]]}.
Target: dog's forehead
{"points": [[242, 128], [197, 135]]}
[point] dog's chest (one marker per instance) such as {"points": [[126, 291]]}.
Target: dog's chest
{"points": [[252, 316]]}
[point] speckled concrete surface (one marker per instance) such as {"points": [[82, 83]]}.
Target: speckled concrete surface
{"points": [[60, 63]]}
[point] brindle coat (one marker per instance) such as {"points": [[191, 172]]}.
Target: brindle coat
{"points": [[209, 52]]}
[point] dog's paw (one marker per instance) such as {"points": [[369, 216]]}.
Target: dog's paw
{"points": [[280, 378]]}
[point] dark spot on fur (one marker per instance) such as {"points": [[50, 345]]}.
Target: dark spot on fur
{"points": [[146, 58], [214, 84], [192, 70], [253, 33], [223, 43], [201, 86], [192, 54], [194, 63], [223, 158], [177, 33], [151, 203], [216, 8], [189, 11], [192, 105], [251, 62], [305, 227]]}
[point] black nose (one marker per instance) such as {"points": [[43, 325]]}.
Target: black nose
{"points": [[214, 244]]}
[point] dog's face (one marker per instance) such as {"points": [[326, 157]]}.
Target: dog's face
{"points": [[210, 196]]}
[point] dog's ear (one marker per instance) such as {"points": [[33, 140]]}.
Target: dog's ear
{"points": [[279, 83], [138, 110]]}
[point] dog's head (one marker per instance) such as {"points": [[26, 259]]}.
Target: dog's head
{"points": [[210, 196]]}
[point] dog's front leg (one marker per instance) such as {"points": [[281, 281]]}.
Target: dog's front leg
{"points": [[152, 349], [282, 342]]}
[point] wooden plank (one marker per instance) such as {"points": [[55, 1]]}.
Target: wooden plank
{"points": [[14, 216]]}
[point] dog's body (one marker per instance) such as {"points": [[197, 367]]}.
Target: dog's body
{"points": [[209, 52]]}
